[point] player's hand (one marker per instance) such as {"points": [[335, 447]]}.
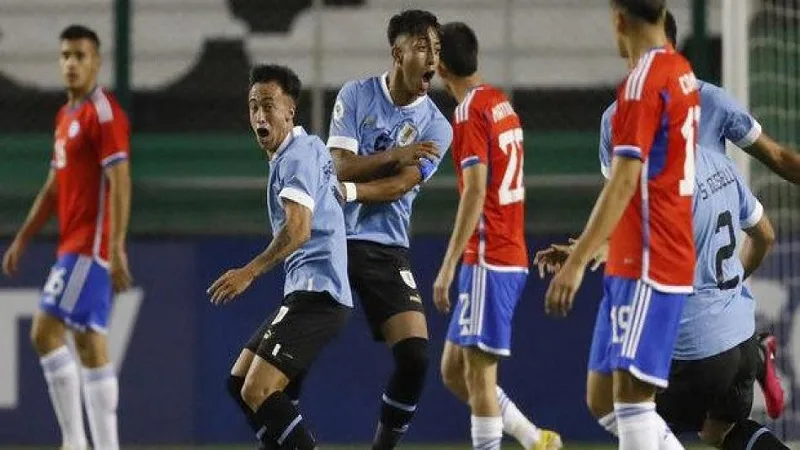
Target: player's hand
{"points": [[121, 278], [230, 284], [561, 292], [410, 155], [441, 288], [600, 256], [12, 256], [552, 258]]}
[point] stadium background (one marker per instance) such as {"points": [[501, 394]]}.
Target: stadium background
{"points": [[180, 68]]}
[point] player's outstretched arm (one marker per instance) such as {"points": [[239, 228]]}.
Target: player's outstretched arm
{"points": [[363, 168], [470, 207], [119, 177], [781, 160], [756, 245], [607, 212], [383, 190], [44, 207], [295, 232]]}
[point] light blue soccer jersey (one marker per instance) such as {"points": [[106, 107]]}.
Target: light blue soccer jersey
{"points": [[366, 121], [720, 314], [302, 171], [721, 118]]}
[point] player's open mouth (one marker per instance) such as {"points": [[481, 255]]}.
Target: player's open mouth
{"points": [[262, 132], [428, 76]]}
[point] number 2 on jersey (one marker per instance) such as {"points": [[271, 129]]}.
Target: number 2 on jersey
{"points": [[689, 131], [511, 144]]}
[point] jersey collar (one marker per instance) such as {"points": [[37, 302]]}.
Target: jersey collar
{"points": [[388, 96], [296, 131]]}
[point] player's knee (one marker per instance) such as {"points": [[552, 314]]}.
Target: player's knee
{"points": [[597, 406], [44, 340], [92, 349], [411, 357], [255, 391], [452, 374]]}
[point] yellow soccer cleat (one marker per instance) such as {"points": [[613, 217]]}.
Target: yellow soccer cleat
{"points": [[548, 440]]}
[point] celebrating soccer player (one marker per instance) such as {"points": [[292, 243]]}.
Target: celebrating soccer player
{"points": [[647, 204], [308, 234], [386, 137], [490, 233], [88, 190]]}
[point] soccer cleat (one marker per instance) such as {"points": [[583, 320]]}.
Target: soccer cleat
{"points": [[548, 440], [768, 377]]}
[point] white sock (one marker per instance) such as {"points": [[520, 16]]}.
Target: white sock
{"points": [[487, 432], [515, 423], [668, 440], [64, 385], [102, 393], [609, 423], [638, 426]]}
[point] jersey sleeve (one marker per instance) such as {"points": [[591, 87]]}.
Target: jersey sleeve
{"points": [[441, 133], [343, 131], [638, 111], [300, 181], [751, 210], [739, 127], [473, 133], [604, 153], [114, 137]]}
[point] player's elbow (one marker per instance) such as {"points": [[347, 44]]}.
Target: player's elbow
{"points": [[765, 237]]}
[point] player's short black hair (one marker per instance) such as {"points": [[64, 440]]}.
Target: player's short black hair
{"points": [[671, 28], [284, 76], [76, 31], [459, 49], [649, 11], [412, 22]]}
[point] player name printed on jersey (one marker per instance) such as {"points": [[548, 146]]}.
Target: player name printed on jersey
{"points": [[653, 241], [488, 131]]}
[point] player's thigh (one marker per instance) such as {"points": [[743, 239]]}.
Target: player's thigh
{"points": [[92, 348], [47, 333], [483, 315], [304, 325], [242, 363], [382, 280], [452, 364], [685, 402], [599, 393], [736, 402], [262, 380], [480, 368], [644, 327]]}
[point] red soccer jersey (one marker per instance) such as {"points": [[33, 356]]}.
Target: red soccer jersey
{"points": [[656, 121], [89, 137], [486, 130]]}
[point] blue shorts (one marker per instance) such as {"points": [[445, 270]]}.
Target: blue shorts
{"points": [[635, 330], [78, 291], [486, 302]]}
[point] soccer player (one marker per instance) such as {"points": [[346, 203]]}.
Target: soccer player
{"points": [[647, 203], [88, 190], [489, 232], [386, 136], [309, 237]]}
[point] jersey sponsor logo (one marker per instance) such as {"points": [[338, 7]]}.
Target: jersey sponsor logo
{"points": [[408, 278], [407, 134], [74, 129]]}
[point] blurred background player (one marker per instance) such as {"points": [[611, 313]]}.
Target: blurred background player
{"points": [[647, 203], [385, 137], [308, 234], [489, 232], [88, 189]]}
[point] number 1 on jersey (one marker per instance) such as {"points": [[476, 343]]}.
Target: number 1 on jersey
{"points": [[511, 144], [689, 131]]}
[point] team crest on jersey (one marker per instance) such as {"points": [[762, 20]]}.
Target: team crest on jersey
{"points": [[338, 111], [407, 134], [74, 129]]}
